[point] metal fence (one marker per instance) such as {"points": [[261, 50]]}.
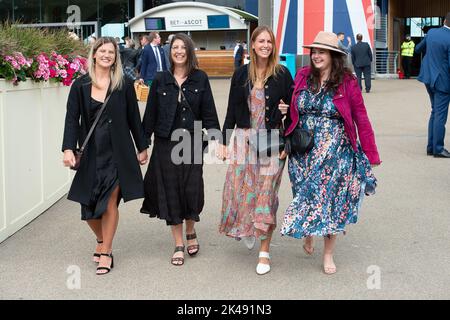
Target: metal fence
{"points": [[83, 30], [385, 62]]}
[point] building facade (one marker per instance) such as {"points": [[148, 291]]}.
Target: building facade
{"points": [[383, 24], [110, 16]]}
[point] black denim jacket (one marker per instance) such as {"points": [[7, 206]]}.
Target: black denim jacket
{"points": [[238, 112], [161, 109]]}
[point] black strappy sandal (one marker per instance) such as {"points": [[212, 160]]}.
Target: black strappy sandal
{"points": [[195, 247], [175, 261], [106, 268], [97, 255]]}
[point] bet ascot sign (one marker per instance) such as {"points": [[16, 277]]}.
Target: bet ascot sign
{"points": [[186, 23]]}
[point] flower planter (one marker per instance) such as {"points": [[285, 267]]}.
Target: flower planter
{"points": [[32, 177]]}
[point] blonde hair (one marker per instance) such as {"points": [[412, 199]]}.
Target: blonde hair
{"points": [[116, 73], [273, 68]]}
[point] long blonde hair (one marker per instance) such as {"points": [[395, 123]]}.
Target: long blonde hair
{"points": [[273, 67], [116, 73]]}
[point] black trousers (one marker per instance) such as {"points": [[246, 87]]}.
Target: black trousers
{"points": [[366, 70], [406, 64]]}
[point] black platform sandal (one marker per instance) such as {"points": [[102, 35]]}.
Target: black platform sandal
{"points": [[178, 261], [97, 255], [195, 247], [106, 268]]}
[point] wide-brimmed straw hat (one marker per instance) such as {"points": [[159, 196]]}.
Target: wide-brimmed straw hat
{"points": [[326, 40]]}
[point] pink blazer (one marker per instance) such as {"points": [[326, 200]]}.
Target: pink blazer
{"points": [[350, 104]]}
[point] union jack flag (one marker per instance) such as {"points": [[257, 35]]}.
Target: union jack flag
{"points": [[296, 22]]}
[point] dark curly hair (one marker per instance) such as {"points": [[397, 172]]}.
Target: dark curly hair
{"points": [[338, 71]]}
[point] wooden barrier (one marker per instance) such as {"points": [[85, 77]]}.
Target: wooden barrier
{"points": [[216, 63]]}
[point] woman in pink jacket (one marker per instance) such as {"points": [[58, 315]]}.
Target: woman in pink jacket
{"points": [[330, 180]]}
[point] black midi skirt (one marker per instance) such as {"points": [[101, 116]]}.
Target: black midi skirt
{"points": [[173, 192], [106, 177]]}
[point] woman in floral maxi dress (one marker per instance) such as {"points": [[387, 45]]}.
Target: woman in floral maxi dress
{"points": [[250, 195], [330, 181]]}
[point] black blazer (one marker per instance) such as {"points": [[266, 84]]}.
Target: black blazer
{"points": [[162, 103], [361, 54], [123, 114], [238, 112]]}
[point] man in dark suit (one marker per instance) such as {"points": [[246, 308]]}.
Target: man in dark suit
{"points": [[435, 74], [238, 54], [362, 61], [152, 60]]}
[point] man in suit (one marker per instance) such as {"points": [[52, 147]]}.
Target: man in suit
{"points": [[152, 60], [238, 54], [362, 61], [435, 74], [166, 49]]}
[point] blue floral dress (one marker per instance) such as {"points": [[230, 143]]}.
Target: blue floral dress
{"points": [[330, 181]]}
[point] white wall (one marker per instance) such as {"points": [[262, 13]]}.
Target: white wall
{"points": [[32, 177]]}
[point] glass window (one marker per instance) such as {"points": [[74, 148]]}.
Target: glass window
{"points": [[27, 11], [113, 11], [88, 9], [6, 10], [53, 11]]}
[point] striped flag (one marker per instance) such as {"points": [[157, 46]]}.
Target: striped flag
{"points": [[296, 22]]}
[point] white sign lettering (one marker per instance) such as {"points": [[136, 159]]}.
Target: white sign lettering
{"points": [[186, 23]]}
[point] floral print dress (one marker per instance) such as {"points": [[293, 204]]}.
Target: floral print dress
{"points": [[250, 194], [330, 181]]}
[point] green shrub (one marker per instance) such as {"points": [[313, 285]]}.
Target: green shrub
{"points": [[33, 41]]}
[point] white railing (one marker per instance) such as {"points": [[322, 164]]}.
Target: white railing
{"points": [[83, 30], [385, 62]]}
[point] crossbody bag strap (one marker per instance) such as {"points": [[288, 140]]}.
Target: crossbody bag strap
{"points": [[187, 102], [94, 124]]}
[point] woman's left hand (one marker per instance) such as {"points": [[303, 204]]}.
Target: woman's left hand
{"points": [[142, 157], [283, 107]]}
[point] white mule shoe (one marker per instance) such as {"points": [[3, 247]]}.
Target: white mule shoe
{"points": [[262, 268], [249, 242]]}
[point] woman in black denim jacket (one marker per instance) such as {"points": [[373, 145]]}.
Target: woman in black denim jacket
{"points": [[173, 183]]}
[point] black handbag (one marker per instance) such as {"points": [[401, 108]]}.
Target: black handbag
{"points": [[79, 152], [300, 141]]}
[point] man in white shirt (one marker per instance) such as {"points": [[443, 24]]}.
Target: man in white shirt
{"points": [[238, 54]]}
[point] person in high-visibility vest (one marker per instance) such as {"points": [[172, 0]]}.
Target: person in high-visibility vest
{"points": [[407, 55]]}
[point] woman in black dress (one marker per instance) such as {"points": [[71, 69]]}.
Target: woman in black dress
{"points": [[109, 169], [174, 180]]}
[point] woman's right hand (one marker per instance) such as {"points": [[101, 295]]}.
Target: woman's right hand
{"points": [[69, 158]]}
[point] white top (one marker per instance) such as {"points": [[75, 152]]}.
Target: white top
{"points": [[158, 57], [235, 50]]}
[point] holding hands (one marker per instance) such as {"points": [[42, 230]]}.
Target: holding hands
{"points": [[142, 157]]}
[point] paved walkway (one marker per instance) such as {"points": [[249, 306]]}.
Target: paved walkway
{"points": [[398, 250]]}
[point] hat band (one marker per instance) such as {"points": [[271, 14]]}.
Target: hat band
{"points": [[327, 45]]}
